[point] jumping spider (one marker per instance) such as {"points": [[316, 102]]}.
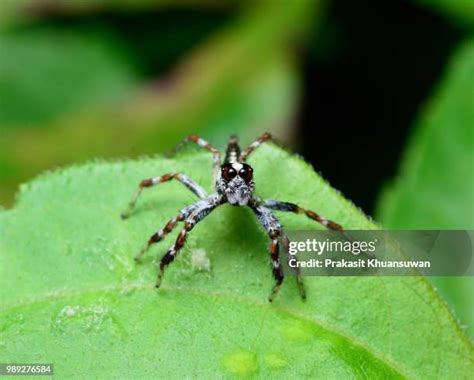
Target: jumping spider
{"points": [[234, 184]]}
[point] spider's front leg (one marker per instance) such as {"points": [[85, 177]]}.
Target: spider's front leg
{"points": [[291, 207], [273, 228], [160, 234], [184, 179], [299, 280], [198, 212]]}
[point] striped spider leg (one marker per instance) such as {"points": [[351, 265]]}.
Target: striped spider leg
{"points": [[194, 214], [263, 211], [273, 227], [299, 281], [216, 155], [149, 182], [291, 207], [274, 230], [185, 180], [247, 151], [190, 215]]}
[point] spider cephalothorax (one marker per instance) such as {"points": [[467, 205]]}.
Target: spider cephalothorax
{"points": [[234, 184]]}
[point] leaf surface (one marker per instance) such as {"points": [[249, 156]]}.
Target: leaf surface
{"points": [[72, 295]]}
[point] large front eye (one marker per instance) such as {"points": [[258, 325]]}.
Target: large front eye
{"points": [[228, 172], [246, 173]]}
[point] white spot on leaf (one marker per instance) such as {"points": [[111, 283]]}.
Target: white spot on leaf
{"points": [[200, 261]]}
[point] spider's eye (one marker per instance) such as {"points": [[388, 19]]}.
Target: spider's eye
{"points": [[246, 173], [228, 172]]}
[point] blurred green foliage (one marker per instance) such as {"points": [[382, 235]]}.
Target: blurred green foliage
{"points": [[240, 80], [435, 187], [47, 73], [15, 12]]}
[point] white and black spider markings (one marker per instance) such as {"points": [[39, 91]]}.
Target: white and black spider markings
{"points": [[234, 184]]}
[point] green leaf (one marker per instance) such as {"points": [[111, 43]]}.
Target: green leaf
{"points": [[435, 188], [72, 295]]}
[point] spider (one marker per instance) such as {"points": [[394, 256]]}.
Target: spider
{"points": [[234, 184]]}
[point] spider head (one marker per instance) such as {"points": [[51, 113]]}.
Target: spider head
{"points": [[236, 183]]}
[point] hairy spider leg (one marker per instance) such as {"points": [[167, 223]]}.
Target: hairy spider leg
{"points": [[184, 179], [299, 280], [273, 228], [216, 155], [200, 210], [291, 207], [263, 138], [160, 234]]}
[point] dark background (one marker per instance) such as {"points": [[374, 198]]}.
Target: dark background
{"points": [[360, 103]]}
